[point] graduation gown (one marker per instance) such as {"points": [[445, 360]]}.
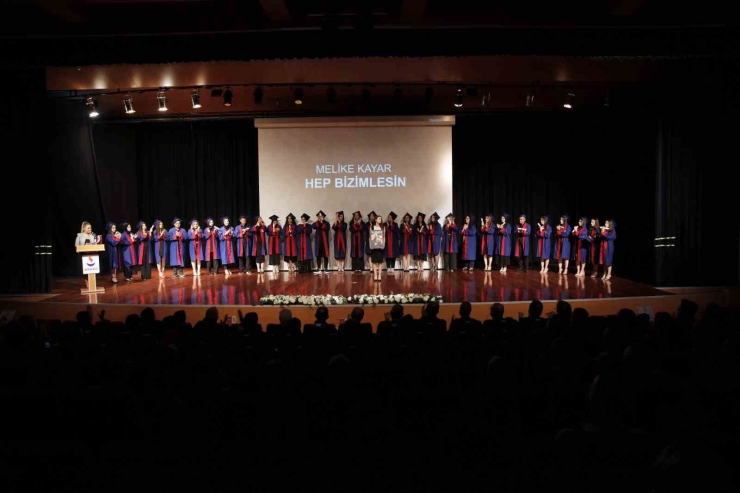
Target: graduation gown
{"points": [[522, 240], [595, 239], [226, 244], [408, 240], [243, 235], [274, 237], [212, 243], [580, 252], [392, 236], [357, 234], [468, 243], [259, 241], [434, 238], [303, 235], [128, 249], [503, 240], [607, 246], [195, 240], [449, 238], [289, 244], [340, 240], [111, 248], [176, 242], [487, 240], [421, 240], [321, 238], [142, 244], [159, 246], [543, 242], [562, 244]]}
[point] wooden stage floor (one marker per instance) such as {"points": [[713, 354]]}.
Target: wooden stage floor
{"points": [[454, 287]]}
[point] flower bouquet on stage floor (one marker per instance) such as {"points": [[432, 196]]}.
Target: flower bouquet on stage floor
{"points": [[357, 299]]}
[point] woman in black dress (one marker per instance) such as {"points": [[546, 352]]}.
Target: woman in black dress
{"points": [[377, 243]]}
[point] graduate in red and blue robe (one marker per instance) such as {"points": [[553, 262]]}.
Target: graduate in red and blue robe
{"points": [[159, 245], [449, 242], [420, 245], [243, 235], [258, 245], [142, 241], [469, 246], [274, 241], [226, 243], [581, 242], [392, 237], [305, 251], [290, 242], [487, 240], [368, 226], [408, 240], [176, 241], [340, 241], [521, 249], [212, 246], [594, 235], [434, 241], [543, 243], [357, 235], [112, 240], [562, 243], [608, 235], [503, 242], [321, 242], [195, 240], [128, 251]]}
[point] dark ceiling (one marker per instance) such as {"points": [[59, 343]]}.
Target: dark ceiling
{"points": [[86, 32]]}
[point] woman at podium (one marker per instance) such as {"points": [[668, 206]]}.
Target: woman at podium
{"points": [[86, 237]]}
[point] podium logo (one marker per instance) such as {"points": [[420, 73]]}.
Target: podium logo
{"points": [[90, 262]]}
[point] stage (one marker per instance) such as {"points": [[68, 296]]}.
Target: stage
{"points": [[243, 292]]}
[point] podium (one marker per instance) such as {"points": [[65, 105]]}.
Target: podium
{"points": [[92, 268]]}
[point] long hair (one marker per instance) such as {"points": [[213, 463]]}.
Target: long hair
{"points": [[596, 225], [85, 224]]}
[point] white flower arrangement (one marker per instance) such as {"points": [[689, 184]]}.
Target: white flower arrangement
{"points": [[358, 299]]}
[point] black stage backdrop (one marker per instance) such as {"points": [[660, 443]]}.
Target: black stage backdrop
{"points": [[603, 163]]}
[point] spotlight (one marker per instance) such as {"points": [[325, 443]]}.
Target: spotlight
{"points": [[569, 101], [195, 98], [228, 95], [428, 95], [530, 99], [366, 96], [91, 109], [397, 95], [128, 104], [162, 101], [298, 96], [258, 95], [458, 98], [330, 95]]}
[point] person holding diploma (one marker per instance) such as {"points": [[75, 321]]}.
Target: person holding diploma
{"points": [[608, 235], [290, 242], [259, 244], [521, 251], [420, 252], [434, 241], [243, 235], [449, 243], [274, 241], [305, 252], [159, 245], [468, 243], [340, 241], [594, 234], [543, 243], [128, 252], [370, 223], [408, 239], [376, 241], [86, 237], [487, 242], [213, 247], [175, 239], [112, 240], [392, 235], [142, 241], [226, 242], [562, 243], [357, 231], [580, 234], [195, 240], [321, 242], [503, 242]]}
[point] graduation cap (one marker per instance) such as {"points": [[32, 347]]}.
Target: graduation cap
{"points": [[407, 215], [321, 213], [124, 225], [224, 218], [449, 215], [156, 223], [523, 215], [434, 215], [357, 212], [138, 225], [243, 216], [423, 216], [290, 215], [506, 215], [109, 225], [372, 213], [340, 213], [274, 217], [393, 215], [566, 217], [305, 216], [209, 218], [176, 220], [193, 220], [585, 220], [257, 218], [547, 218]]}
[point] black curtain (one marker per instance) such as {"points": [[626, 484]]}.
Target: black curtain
{"points": [[592, 163], [147, 171]]}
